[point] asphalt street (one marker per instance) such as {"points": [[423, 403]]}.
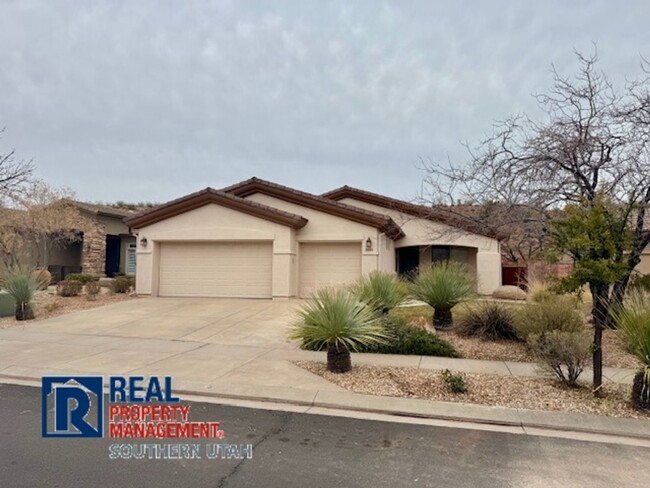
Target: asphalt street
{"points": [[302, 450]]}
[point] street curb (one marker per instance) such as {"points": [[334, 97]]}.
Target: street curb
{"points": [[417, 408]]}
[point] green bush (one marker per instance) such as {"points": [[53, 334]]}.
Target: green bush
{"points": [[92, 290], [68, 288], [382, 291], [443, 286], [490, 321], [81, 278], [556, 312], [633, 323], [121, 284], [337, 321], [403, 339], [22, 283], [455, 381]]}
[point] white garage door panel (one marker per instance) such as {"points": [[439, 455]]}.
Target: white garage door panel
{"points": [[331, 264], [216, 269]]}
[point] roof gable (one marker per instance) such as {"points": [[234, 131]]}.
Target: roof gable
{"points": [[208, 196], [429, 213], [255, 185]]}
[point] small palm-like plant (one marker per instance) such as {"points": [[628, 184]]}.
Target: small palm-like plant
{"points": [[382, 291], [21, 283], [335, 319], [443, 286], [633, 322]]}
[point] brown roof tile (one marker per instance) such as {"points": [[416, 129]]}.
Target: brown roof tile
{"points": [[256, 185], [210, 195]]}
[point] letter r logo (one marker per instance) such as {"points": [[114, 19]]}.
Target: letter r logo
{"points": [[72, 406]]}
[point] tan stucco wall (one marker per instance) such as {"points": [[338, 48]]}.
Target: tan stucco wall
{"points": [[644, 266], [323, 227], [214, 223], [423, 232], [113, 225]]}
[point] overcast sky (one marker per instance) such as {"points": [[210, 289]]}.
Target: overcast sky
{"points": [[150, 100]]}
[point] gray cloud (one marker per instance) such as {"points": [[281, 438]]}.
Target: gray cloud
{"points": [[150, 100]]}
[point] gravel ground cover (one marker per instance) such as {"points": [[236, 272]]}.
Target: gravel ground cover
{"points": [[49, 304], [485, 389]]}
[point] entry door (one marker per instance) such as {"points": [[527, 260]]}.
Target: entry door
{"points": [[408, 260], [112, 255]]}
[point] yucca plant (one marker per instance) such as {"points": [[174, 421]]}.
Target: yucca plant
{"points": [[633, 322], [443, 286], [335, 319], [21, 283], [382, 291]]}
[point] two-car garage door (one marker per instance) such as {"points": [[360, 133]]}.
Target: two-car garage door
{"points": [[216, 269], [244, 269]]}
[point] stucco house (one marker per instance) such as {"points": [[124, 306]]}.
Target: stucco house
{"points": [[258, 239]]}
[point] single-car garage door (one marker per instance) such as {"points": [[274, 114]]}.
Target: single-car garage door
{"points": [[328, 264], [216, 269]]}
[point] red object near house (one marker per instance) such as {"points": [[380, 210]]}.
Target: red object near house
{"points": [[515, 276]]}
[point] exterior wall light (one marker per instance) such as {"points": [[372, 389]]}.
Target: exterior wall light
{"points": [[368, 244], [143, 242]]}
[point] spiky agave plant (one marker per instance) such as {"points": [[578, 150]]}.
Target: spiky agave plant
{"points": [[335, 319], [21, 283], [381, 290], [443, 286], [633, 320]]}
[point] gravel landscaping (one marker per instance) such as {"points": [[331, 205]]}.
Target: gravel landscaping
{"points": [[614, 353], [504, 391], [49, 304]]}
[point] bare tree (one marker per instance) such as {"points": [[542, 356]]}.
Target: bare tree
{"points": [[592, 142], [14, 173]]}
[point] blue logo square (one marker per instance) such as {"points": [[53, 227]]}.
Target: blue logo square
{"points": [[72, 406]]}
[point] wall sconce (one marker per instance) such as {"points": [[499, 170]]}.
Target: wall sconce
{"points": [[368, 244], [143, 242]]}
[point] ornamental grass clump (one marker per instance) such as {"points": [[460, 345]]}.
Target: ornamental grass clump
{"points": [[633, 320], [490, 321], [335, 319], [382, 291], [22, 283], [443, 286]]}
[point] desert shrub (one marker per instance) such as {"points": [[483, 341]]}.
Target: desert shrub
{"points": [[558, 312], [564, 353], [640, 282], [382, 291], [52, 306], [400, 338], [121, 284], [93, 289], [539, 290], [22, 283], [490, 321], [633, 321], [81, 278], [454, 381], [509, 292], [443, 286], [68, 288], [336, 320]]}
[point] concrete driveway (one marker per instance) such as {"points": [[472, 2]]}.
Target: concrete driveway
{"points": [[196, 341]]}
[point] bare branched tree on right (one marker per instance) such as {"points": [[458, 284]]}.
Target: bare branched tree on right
{"points": [[589, 151]]}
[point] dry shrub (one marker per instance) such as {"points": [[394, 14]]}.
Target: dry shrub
{"points": [[490, 321], [68, 288], [93, 289], [558, 312], [121, 284], [561, 352]]}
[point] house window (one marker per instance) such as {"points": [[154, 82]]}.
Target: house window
{"points": [[440, 254], [130, 259]]}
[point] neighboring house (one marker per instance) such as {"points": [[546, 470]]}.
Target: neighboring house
{"points": [[105, 247], [257, 239]]}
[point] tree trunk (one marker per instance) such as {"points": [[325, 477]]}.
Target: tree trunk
{"points": [[442, 319], [24, 311], [338, 359], [599, 313], [641, 390]]}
